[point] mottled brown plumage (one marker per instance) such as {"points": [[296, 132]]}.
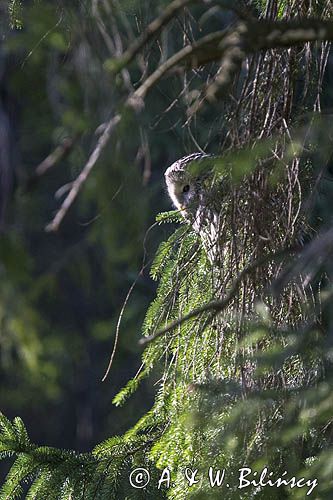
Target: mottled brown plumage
{"points": [[192, 192]]}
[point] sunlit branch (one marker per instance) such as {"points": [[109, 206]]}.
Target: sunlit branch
{"points": [[245, 38], [220, 304], [79, 181], [229, 46], [153, 29]]}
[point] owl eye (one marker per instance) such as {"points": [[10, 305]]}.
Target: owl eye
{"points": [[186, 188]]}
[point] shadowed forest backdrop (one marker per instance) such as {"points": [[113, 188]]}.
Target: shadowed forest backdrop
{"points": [[95, 103], [61, 293]]}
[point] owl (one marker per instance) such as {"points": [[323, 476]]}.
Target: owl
{"points": [[191, 189]]}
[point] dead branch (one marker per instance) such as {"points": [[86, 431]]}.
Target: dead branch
{"points": [[245, 38], [56, 156], [318, 251], [202, 52], [152, 30], [155, 27], [59, 153], [79, 181], [279, 34], [233, 44]]}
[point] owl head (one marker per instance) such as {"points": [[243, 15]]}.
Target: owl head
{"points": [[182, 184]]}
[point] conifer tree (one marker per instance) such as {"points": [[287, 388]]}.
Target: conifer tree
{"points": [[242, 348]]}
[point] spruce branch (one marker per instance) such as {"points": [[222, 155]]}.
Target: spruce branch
{"points": [[218, 305]]}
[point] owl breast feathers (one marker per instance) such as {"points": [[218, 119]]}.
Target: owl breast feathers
{"points": [[190, 187]]}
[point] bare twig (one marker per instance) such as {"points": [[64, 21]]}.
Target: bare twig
{"points": [[128, 295], [57, 155], [115, 344], [278, 34], [318, 251], [102, 28], [77, 184], [245, 38], [232, 60], [152, 30], [169, 13], [206, 50], [233, 44]]}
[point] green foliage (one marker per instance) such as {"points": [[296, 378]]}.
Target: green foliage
{"points": [[53, 473], [15, 13], [246, 385], [201, 416], [130, 388]]}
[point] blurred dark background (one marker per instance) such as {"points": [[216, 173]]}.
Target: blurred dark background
{"points": [[61, 294]]}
